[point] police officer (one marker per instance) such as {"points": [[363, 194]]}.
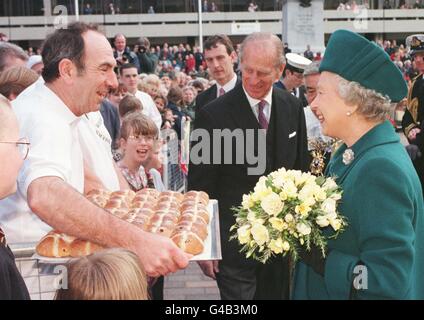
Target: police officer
{"points": [[292, 79], [412, 122]]}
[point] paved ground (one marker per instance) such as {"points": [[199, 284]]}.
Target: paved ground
{"points": [[190, 284]]}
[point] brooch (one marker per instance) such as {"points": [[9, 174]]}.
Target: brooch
{"points": [[348, 156]]}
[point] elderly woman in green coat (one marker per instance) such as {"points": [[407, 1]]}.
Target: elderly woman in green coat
{"points": [[381, 253]]}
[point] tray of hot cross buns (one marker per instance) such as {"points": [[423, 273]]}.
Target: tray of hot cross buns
{"points": [[190, 220]]}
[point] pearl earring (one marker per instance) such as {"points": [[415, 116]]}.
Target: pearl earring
{"points": [[348, 114]]}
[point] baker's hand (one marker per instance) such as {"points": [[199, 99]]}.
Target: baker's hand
{"points": [[413, 151], [160, 255], [210, 268]]}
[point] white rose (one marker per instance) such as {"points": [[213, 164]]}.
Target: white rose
{"points": [[272, 204], [251, 216], [260, 234], [247, 202], [329, 184], [336, 196], [329, 206], [290, 189], [244, 234], [303, 229], [276, 246], [322, 221], [277, 223], [289, 218]]}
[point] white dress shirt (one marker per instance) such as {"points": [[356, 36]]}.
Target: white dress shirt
{"points": [[149, 108], [254, 104], [52, 130], [228, 86], [95, 143]]}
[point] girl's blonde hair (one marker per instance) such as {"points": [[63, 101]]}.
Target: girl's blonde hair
{"points": [[112, 274]]}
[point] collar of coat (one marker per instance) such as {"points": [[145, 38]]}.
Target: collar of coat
{"points": [[382, 133]]}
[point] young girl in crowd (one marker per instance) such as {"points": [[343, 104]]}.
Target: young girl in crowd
{"points": [[112, 274], [138, 134], [129, 104]]}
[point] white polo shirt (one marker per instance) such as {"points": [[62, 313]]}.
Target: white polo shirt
{"points": [[149, 108], [95, 143], [55, 151]]}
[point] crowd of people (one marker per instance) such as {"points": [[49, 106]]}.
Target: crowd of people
{"points": [[86, 113]]}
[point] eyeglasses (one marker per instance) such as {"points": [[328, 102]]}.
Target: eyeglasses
{"points": [[140, 139], [23, 146]]}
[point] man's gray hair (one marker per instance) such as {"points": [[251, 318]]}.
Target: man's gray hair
{"points": [[312, 68], [265, 36], [7, 50]]}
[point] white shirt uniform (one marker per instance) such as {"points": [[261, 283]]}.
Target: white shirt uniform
{"points": [[55, 151], [95, 143], [149, 108]]}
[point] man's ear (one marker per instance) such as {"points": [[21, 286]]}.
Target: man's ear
{"points": [[67, 70], [233, 56], [280, 70]]}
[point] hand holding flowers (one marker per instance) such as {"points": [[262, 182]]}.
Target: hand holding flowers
{"points": [[287, 209]]}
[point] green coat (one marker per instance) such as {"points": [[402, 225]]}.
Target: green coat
{"points": [[382, 200]]}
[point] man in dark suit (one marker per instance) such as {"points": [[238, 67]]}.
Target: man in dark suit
{"points": [[266, 122], [220, 57]]}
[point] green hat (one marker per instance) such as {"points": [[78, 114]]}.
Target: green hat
{"points": [[355, 58]]}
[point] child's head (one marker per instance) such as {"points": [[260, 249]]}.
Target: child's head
{"points": [[138, 134], [155, 158], [161, 102], [117, 94], [113, 274], [129, 104]]}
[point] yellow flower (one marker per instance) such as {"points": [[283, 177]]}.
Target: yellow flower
{"points": [[286, 246], [247, 202], [302, 209], [277, 223], [260, 234], [283, 195], [303, 229], [276, 245], [336, 224], [272, 204], [244, 234]]}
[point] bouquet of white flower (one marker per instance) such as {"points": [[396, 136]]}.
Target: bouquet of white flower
{"points": [[286, 210]]}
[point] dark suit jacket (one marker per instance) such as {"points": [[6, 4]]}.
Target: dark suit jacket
{"points": [[209, 95], [228, 182]]}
